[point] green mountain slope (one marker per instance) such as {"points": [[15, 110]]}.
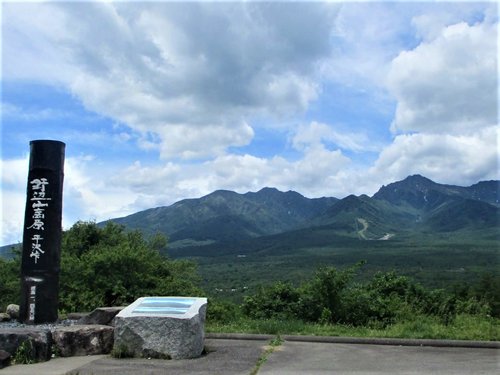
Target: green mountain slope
{"points": [[228, 216], [270, 221], [421, 193], [364, 218], [439, 234], [444, 208]]}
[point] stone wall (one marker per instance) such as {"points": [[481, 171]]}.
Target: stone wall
{"points": [[90, 335]]}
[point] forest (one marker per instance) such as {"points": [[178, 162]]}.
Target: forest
{"points": [[109, 266]]}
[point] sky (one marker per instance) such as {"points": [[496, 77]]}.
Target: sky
{"points": [[162, 101]]}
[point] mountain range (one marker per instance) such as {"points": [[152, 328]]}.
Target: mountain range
{"points": [[439, 235], [226, 221]]}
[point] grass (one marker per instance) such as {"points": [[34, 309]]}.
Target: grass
{"points": [[24, 354], [463, 327], [275, 342], [121, 351]]}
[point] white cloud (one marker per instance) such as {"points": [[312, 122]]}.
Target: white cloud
{"points": [[316, 134], [191, 80], [11, 111], [188, 75], [447, 104], [13, 199], [88, 194], [93, 191], [311, 175], [446, 158], [448, 85], [178, 139], [32, 39]]}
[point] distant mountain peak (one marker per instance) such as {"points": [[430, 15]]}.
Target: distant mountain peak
{"points": [[422, 193], [225, 216], [417, 178], [266, 190]]}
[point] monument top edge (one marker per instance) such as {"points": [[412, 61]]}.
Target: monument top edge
{"points": [[46, 141], [164, 306]]}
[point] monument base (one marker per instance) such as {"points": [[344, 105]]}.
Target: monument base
{"points": [[161, 327]]}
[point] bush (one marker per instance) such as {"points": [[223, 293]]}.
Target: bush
{"points": [[107, 266], [117, 267], [10, 282], [278, 300], [222, 311], [332, 297]]}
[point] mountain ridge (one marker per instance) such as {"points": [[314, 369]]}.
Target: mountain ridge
{"points": [[227, 221], [414, 204]]}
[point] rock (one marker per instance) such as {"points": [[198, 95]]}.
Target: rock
{"points": [[4, 317], [78, 340], [38, 342], [76, 316], [13, 311], [4, 359], [101, 315], [157, 327]]}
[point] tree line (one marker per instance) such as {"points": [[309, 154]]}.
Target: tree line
{"points": [[109, 266]]}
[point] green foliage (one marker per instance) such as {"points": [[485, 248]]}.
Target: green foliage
{"points": [[487, 291], [463, 327], [107, 266], [321, 298], [222, 311], [332, 296], [116, 267], [24, 354], [121, 351], [275, 342], [10, 284], [278, 300]]}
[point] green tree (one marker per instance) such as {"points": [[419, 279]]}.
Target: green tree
{"points": [[116, 267], [10, 282], [276, 301], [322, 297]]}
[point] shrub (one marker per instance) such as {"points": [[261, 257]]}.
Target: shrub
{"points": [[118, 267], [278, 300], [222, 311]]}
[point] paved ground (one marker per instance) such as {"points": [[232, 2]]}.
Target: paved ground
{"points": [[240, 356], [321, 358]]}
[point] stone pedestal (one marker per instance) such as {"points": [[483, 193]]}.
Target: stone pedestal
{"points": [[38, 342], [162, 327], [83, 340]]}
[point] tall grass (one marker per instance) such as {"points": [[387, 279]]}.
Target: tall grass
{"points": [[462, 327]]}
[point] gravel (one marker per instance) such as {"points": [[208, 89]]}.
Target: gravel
{"points": [[46, 326]]}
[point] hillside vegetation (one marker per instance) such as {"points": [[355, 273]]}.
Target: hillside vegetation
{"points": [[104, 266], [415, 205], [440, 235], [279, 262]]}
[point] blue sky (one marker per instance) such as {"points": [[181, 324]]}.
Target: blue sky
{"points": [[161, 101]]}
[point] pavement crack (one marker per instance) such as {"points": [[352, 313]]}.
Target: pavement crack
{"points": [[269, 349]]}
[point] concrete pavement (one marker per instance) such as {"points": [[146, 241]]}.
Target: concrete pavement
{"points": [[323, 358], [241, 354]]}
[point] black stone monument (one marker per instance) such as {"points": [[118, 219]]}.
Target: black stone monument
{"points": [[42, 233]]}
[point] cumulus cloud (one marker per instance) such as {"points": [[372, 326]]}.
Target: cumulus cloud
{"points": [[446, 118], [448, 85], [190, 74], [446, 158], [311, 175], [318, 134], [191, 82], [93, 191], [13, 198]]}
